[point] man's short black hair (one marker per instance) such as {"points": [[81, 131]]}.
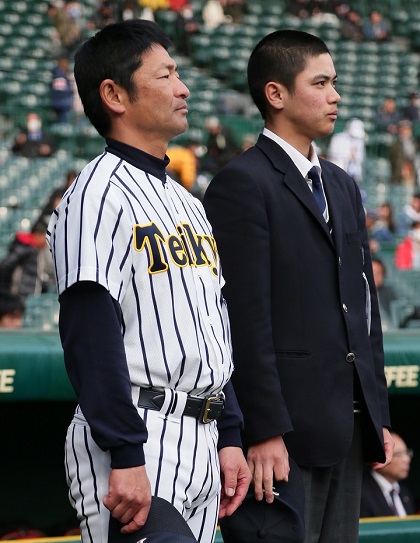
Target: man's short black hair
{"points": [[115, 52]]}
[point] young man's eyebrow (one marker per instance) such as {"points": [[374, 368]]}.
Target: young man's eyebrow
{"points": [[325, 76]]}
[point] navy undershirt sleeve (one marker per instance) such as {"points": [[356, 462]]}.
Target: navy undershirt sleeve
{"points": [[90, 330], [230, 423]]}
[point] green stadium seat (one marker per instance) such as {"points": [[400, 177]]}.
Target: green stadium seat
{"points": [[19, 6], [400, 309], [41, 312], [167, 19], [274, 7], [253, 8], [35, 19], [27, 30], [201, 47], [244, 42], [237, 75], [10, 18], [240, 126], [348, 46], [271, 20], [220, 61]]}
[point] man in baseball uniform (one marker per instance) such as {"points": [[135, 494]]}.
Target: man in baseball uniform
{"points": [[143, 323]]}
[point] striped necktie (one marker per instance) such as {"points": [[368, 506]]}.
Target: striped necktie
{"points": [[317, 191]]}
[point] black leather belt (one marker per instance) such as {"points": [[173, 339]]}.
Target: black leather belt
{"points": [[205, 409]]}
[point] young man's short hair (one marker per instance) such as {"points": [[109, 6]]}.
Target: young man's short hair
{"points": [[279, 57]]}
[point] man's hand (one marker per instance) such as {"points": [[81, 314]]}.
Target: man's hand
{"points": [[268, 462], [235, 477], [389, 450], [129, 497]]}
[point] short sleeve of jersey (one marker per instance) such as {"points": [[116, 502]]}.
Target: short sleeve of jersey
{"points": [[91, 232]]}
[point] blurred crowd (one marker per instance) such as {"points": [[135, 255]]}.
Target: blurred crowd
{"points": [[26, 269]]}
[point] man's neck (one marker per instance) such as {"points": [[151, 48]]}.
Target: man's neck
{"points": [[299, 142]]}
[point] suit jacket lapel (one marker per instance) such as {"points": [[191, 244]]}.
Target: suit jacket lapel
{"points": [[335, 202], [293, 179]]}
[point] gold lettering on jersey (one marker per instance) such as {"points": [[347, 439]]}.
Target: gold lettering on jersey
{"points": [[150, 237], [177, 250], [185, 248]]}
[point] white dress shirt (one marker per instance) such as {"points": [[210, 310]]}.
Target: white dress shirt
{"points": [[386, 488]]}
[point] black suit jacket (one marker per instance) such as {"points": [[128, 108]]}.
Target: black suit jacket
{"points": [[296, 297], [374, 504]]}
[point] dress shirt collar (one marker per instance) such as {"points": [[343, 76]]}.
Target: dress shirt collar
{"points": [[300, 161], [386, 488], [384, 484]]}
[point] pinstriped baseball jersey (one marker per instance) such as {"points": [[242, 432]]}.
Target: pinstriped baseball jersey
{"points": [[149, 243]]}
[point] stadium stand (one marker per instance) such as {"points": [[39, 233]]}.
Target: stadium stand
{"points": [[33, 421], [368, 71]]}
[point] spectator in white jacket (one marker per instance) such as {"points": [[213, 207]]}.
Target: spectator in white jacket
{"points": [[347, 149], [213, 14]]}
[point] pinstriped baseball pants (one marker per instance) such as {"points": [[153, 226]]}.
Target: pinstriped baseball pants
{"points": [[181, 462]]}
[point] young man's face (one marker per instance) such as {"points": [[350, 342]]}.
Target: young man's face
{"points": [[160, 109], [311, 110]]}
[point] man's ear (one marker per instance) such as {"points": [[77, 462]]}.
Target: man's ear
{"points": [[112, 95], [275, 94]]}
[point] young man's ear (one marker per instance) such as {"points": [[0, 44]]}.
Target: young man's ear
{"points": [[275, 94], [112, 95]]}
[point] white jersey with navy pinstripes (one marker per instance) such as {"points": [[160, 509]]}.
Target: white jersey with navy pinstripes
{"points": [[150, 245]]}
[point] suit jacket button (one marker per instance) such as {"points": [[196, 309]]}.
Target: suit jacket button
{"points": [[350, 357], [345, 308]]}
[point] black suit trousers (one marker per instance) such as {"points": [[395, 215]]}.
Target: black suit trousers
{"points": [[332, 497]]}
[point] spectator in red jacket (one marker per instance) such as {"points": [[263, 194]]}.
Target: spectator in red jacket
{"points": [[407, 253]]}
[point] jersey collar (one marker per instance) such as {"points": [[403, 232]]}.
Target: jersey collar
{"points": [[138, 158]]}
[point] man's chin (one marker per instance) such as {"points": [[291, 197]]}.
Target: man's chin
{"points": [[180, 130]]}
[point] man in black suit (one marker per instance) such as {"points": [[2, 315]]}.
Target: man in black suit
{"points": [[383, 494], [305, 323]]}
